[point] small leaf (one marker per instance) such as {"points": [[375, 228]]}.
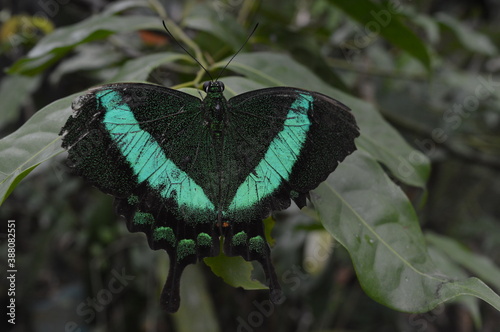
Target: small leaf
{"points": [[218, 24], [377, 19], [87, 58], [470, 39], [140, 68], [114, 8], [54, 46], [235, 271], [15, 90], [269, 224], [428, 24]]}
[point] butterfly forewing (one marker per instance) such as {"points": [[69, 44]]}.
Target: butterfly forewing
{"points": [[285, 141]]}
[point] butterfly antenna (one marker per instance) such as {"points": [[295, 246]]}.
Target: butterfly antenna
{"points": [[235, 54], [185, 50]]}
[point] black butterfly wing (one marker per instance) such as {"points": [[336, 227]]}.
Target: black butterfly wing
{"points": [[280, 144], [286, 141], [139, 142]]}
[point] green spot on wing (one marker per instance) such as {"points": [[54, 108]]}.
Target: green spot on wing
{"points": [[185, 248], [164, 233], [256, 244], [204, 240], [133, 200], [239, 239], [143, 218]]}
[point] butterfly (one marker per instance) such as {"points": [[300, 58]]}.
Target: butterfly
{"points": [[189, 172]]}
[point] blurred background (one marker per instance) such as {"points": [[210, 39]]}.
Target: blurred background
{"points": [[72, 251]]}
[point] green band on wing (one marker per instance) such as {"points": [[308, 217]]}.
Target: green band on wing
{"points": [[279, 159], [146, 157]]}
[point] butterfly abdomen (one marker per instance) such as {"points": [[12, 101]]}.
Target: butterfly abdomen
{"points": [[214, 108]]}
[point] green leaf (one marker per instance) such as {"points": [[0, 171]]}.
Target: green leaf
{"points": [[89, 57], [372, 218], [269, 224], [15, 90], [377, 137], [35, 142], [114, 8], [235, 271], [470, 39], [218, 24], [428, 24], [56, 45], [481, 266], [140, 68], [377, 19]]}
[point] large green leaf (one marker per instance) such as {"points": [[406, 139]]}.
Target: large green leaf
{"points": [[378, 138], [372, 218], [384, 21], [35, 142], [54, 46]]}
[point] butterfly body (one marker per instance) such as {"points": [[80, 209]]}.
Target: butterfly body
{"points": [[214, 107], [187, 171]]}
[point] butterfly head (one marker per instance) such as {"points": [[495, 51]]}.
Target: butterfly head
{"points": [[213, 87]]}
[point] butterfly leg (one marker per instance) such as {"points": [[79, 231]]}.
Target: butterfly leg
{"points": [[250, 243]]}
